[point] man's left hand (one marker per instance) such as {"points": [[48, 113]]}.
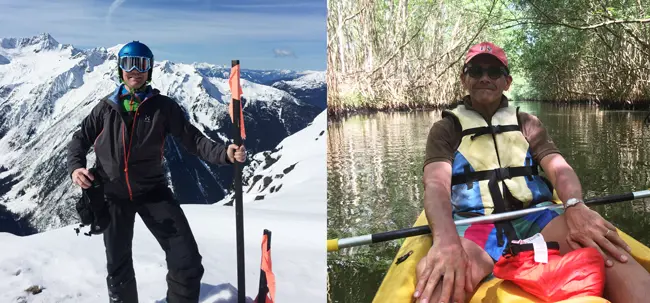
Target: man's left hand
{"points": [[236, 153], [588, 228]]}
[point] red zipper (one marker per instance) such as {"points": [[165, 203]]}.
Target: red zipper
{"points": [[127, 154], [162, 146], [97, 138], [126, 163]]}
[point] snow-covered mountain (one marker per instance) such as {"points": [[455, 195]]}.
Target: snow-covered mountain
{"points": [[47, 88], [32, 269], [266, 77], [310, 87]]}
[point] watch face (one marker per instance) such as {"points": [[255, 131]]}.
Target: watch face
{"points": [[570, 202]]}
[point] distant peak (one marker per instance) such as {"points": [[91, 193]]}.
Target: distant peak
{"points": [[43, 41], [204, 65], [46, 37], [165, 65]]}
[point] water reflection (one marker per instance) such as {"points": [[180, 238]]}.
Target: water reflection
{"points": [[374, 165], [375, 168]]}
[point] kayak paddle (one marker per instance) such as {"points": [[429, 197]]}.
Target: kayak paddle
{"points": [[337, 244]]}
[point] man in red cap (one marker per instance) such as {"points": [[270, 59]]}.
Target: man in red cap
{"points": [[482, 158]]}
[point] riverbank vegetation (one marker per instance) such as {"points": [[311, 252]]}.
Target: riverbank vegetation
{"points": [[406, 54]]}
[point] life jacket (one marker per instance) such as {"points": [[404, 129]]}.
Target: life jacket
{"points": [[493, 170]]}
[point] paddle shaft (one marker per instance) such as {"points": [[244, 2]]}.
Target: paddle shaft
{"points": [[424, 229]]}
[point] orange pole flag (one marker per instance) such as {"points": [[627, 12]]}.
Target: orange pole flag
{"points": [[267, 278], [236, 91]]}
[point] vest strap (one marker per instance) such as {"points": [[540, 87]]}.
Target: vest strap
{"points": [[499, 174], [503, 227], [493, 129]]}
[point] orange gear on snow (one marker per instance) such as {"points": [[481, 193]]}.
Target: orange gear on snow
{"points": [[267, 278]]}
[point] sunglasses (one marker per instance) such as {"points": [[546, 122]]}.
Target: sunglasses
{"points": [[141, 64], [494, 72]]}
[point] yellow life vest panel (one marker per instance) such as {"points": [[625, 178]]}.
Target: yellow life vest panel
{"points": [[493, 170]]}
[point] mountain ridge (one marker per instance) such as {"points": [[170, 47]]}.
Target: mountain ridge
{"points": [[46, 88]]}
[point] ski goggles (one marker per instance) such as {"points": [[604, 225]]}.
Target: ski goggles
{"points": [[494, 72], [141, 64]]}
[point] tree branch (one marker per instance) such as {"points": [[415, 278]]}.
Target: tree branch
{"points": [[586, 27], [401, 47], [353, 15], [471, 41]]}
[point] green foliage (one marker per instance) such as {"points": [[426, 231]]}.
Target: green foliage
{"points": [[566, 60], [558, 50]]}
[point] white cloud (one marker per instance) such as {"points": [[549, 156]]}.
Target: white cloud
{"points": [[283, 53]]}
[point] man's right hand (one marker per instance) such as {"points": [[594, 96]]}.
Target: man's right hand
{"points": [[446, 264], [82, 177]]}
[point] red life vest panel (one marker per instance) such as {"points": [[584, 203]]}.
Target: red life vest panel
{"points": [[578, 273]]}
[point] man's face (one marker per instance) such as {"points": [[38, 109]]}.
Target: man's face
{"points": [[482, 88], [134, 79]]}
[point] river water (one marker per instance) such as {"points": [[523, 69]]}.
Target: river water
{"points": [[374, 168]]}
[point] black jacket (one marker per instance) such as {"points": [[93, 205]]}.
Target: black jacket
{"points": [[129, 159]]}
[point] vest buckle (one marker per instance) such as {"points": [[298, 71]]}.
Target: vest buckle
{"points": [[502, 173]]}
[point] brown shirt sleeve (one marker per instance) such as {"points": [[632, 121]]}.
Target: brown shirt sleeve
{"points": [[541, 144], [442, 142]]}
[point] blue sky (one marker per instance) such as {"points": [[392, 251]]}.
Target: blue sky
{"points": [[262, 34]]}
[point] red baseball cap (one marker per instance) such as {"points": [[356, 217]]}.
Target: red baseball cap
{"points": [[487, 48]]}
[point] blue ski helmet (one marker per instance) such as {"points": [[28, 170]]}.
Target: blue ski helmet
{"points": [[135, 49]]}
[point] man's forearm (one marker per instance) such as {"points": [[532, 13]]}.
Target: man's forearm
{"points": [[437, 206], [203, 147], [562, 176], [212, 151], [567, 184]]}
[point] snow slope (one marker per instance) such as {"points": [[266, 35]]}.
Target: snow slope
{"points": [[271, 172], [47, 88], [70, 268]]}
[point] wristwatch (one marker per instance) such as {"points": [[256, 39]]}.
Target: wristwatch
{"points": [[572, 202]]}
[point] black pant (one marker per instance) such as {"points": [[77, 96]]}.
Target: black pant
{"points": [[165, 219]]}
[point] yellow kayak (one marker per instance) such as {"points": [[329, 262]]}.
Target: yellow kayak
{"points": [[399, 283]]}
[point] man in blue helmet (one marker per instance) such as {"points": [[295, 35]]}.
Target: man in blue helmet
{"points": [[128, 129]]}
